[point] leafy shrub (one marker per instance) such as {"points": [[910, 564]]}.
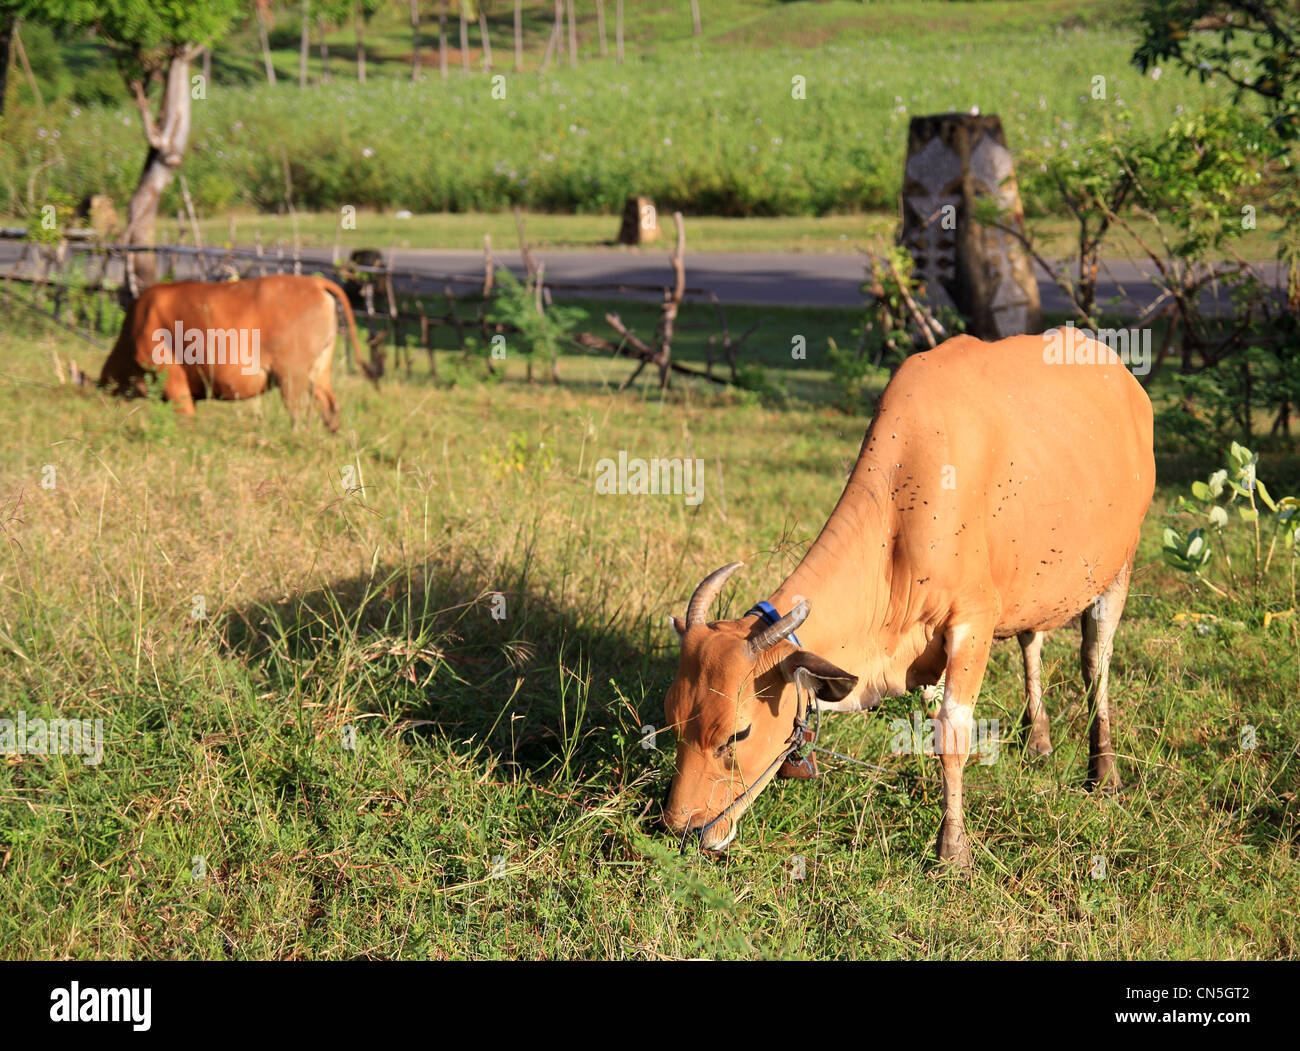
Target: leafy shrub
{"points": [[1237, 485], [539, 333]]}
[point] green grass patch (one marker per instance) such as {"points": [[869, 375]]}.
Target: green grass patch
{"points": [[498, 802]]}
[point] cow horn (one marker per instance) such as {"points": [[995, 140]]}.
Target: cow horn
{"points": [[698, 608], [769, 637]]}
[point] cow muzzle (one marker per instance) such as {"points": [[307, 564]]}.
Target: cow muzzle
{"points": [[713, 836], [694, 826]]}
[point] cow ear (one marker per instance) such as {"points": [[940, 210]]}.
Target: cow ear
{"points": [[829, 682], [679, 624]]}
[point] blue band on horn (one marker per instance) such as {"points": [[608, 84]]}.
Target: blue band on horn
{"points": [[770, 616]]}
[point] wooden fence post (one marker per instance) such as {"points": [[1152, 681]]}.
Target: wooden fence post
{"points": [[454, 317], [672, 303], [427, 344]]}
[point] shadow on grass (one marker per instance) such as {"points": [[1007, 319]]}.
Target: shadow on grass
{"points": [[480, 659]]}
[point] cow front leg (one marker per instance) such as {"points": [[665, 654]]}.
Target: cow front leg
{"points": [[1038, 734], [967, 647], [176, 389], [1099, 622]]}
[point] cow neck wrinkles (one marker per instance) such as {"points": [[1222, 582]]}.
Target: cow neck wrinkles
{"points": [[846, 576]]}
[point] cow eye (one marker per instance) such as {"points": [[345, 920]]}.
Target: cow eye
{"points": [[739, 735]]}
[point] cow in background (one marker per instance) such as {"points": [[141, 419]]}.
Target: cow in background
{"points": [[235, 340]]}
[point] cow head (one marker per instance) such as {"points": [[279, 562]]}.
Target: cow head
{"points": [[122, 370], [733, 707], [123, 374]]}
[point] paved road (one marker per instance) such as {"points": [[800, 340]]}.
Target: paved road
{"points": [[773, 278], [762, 278]]}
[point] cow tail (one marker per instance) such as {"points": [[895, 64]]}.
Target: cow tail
{"points": [[371, 371]]}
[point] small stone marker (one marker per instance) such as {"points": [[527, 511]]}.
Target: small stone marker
{"points": [[97, 209], [640, 222], [953, 159]]}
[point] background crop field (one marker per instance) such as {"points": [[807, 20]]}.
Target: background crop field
{"points": [[498, 802], [704, 124]]}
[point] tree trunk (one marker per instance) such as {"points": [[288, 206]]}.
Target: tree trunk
{"points": [[7, 43], [415, 40], [361, 49], [519, 36], [695, 17], [464, 38], [442, 39], [553, 42], [266, 43], [573, 38], [324, 52], [304, 44], [600, 27], [483, 32], [618, 31], [27, 67], [168, 139]]}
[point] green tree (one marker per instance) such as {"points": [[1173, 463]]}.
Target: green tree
{"points": [[153, 44], [1255, 46], [1252, 44]]}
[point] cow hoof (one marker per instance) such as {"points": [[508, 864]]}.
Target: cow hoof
{"points": [[1038, 749], [1107, 785], [953, 849]]}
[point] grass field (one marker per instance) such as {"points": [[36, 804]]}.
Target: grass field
{"points": [[497, 801]]}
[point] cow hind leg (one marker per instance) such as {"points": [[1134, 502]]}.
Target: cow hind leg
{"points": [[322, 390], [1038, 735], [968, 646], [1099, 622], [328, 405]]}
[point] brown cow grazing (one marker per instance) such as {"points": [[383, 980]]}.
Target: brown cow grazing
{"points": [[999, 493], [235, 340]]}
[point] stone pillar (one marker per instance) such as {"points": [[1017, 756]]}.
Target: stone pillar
{"points": [[952, 160], [640, 222]]}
